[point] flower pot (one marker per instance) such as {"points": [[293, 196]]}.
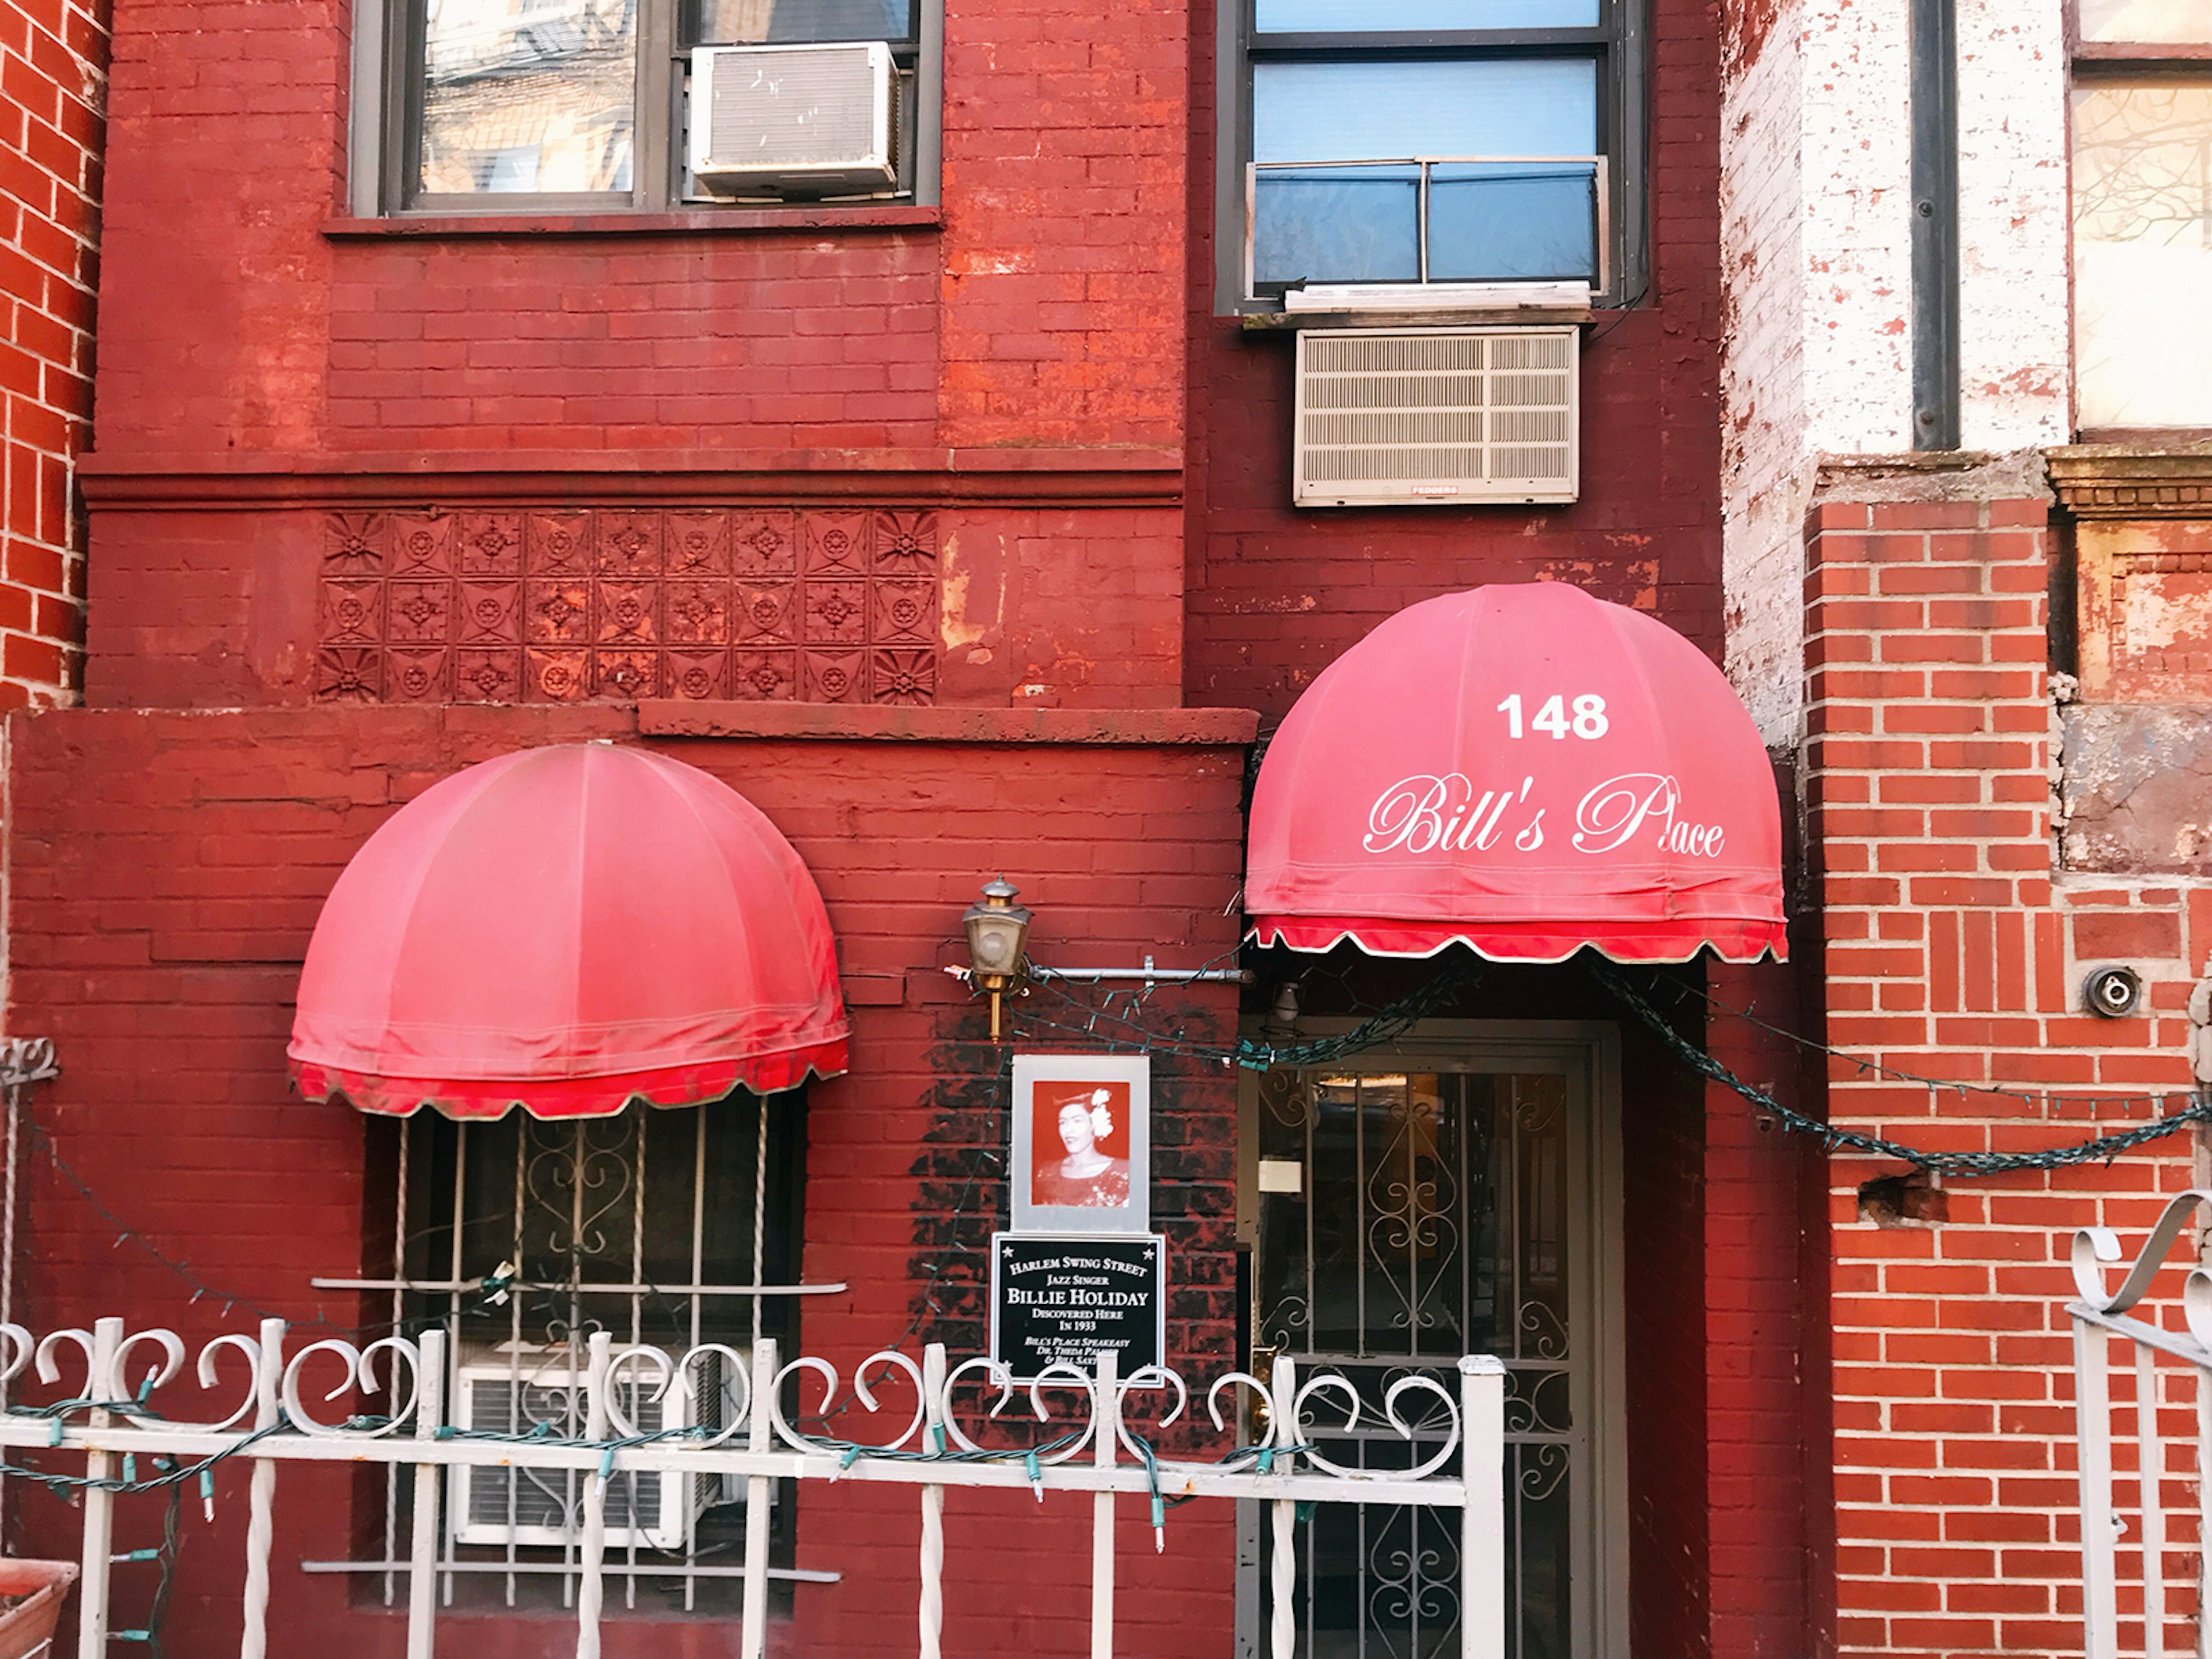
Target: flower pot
{"points": [[26, 1630]]}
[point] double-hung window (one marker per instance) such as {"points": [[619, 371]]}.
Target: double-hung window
{"points": [[589, 105], [1430, 142], [2143, 214]]}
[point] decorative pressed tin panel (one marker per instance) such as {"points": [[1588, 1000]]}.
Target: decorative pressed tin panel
{"points": [[564, 605]]}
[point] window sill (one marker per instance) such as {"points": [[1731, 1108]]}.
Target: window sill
{"points": [[1291, 322], [691, 222]]}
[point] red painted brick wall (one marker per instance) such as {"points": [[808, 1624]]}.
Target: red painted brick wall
{"points": [[168, 871], [53, 63], [1763, 1315], [1064, 145], [1722, 1316], [1276, 594], [1954, 952], [1665, 1214], [1042, 311], [1039, 606]]}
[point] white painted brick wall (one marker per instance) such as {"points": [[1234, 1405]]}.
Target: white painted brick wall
{"points": [[1766, 474], [2014, 225], [1856, 156], [1816, 244]]}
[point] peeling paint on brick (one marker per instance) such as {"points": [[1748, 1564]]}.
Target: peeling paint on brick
{"points": [[1816, 241], [2137, 784]]}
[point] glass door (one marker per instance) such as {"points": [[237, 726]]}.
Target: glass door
{"points": [[1405, 1210]]}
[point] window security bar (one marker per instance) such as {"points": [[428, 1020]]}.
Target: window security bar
{"points": [[601, 1224], [1454, 1451], [570, 1569], [576, 1287], [1534, 231]]}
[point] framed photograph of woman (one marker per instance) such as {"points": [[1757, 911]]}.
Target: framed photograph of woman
{"points": [[1082, 1143]]}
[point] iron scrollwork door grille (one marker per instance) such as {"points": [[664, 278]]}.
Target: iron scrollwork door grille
{"points": [[1435, 1213]]}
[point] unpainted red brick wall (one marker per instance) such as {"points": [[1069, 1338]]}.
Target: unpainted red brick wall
{"points": [[168, 871], [1954, 953], [1276, 594], [53, 66], [1043, 310]]}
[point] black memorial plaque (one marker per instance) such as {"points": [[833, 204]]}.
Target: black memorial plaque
{"points": [[1071, 1298]]}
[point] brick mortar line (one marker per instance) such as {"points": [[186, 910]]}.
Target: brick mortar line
{"points": [[91, 16], [74, 284], [97, 112]]}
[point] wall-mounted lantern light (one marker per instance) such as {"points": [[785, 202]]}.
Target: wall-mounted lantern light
{"points": [[997, 927]]}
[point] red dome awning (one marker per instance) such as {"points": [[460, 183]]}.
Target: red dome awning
{"points": [[566, 930], [1525, 770]]}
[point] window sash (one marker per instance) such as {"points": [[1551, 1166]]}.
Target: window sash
{"points": [[656, 1224], [2146, 24], [389, 98], [1333, 109], [2141, 357], [1548, 106], [566, 92], [691, 27], [1431, 211], [1267, 15], [2141, 225], [1611, 46]]}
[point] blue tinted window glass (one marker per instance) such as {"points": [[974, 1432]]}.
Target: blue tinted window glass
{"points": [[1337, 225], [1513, 223], [1377, 111], [793, 23], [1311, 16]]}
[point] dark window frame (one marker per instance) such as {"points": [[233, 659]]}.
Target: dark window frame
{"points": [[1616, 43], [386, 137]]}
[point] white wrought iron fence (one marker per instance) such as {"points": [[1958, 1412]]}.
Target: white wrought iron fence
{"points": [[1082, 1438], [2145, 1485]]}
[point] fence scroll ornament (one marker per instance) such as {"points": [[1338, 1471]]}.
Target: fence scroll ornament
{"points": [[942, 1426], [2102, 1312]]}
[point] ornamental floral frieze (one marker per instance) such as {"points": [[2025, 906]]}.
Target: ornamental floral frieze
{"points": [[616, 604]]}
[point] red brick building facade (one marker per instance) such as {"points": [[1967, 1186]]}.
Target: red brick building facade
{"points": [[1957, 942], [954, 530]]}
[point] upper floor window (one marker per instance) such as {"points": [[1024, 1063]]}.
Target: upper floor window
{"points": [[1432, 141], [598, 104], [2143, 214]]}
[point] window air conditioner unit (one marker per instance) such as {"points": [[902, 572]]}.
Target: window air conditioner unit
{"points": [[491, 1505], [1437, 416], [814, 120]]}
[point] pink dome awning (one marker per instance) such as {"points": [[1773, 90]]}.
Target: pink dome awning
{"points": [[565, 930], [1526, 770]]}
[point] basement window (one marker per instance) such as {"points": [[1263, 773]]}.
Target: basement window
{"points": [[566, 106], [521, 1237], [2142, 105]]}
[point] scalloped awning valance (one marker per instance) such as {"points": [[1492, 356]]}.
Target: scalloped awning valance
{"points": [[1526, 770]]}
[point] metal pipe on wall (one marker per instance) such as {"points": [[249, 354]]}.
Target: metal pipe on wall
{"points": [[1935, 96]]}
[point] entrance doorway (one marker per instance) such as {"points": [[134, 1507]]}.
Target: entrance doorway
{"points": [[1456, 1193]]}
